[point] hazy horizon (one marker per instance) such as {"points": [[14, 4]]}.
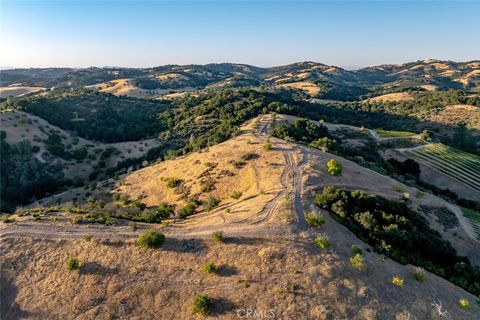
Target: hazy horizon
{"points": [[350, 67], [265, 34]]}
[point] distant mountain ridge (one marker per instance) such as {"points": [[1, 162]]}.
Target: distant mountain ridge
{"points": [[317, 79]]}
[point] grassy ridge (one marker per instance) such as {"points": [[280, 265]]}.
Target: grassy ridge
{"points": [[393, 134]]}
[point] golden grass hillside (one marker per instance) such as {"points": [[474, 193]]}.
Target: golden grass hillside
{"points": [[309, 87], [18, 91], [459, 114], [392, 97], [125, 87], [292, 278], [238, 168]]}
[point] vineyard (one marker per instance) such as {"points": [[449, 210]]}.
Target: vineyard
{"points": [[460, 165], [474, 218]]}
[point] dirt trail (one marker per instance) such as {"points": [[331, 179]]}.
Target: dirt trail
{"points": [[291, 180]]}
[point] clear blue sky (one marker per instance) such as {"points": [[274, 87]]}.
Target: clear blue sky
{"points": [[263, 33]]}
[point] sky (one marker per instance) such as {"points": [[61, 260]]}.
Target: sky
{"points": [[262, 33]]}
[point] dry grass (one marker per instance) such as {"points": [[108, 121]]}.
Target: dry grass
{"points": [[219, 171], [466, 79], [15, 91], [392, 97], [307, 86], [459, 114], [125, 87], [429, 87], [119, 280]]}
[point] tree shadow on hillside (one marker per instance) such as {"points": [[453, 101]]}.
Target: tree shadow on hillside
{"points": [[196, 246], [9, 309], [221, 306], [95, 268], [227, 271]]}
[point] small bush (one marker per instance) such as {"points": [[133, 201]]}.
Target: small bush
{"points": [[88, 238], [419, 275], [140, 205], [210, 268], [189, 209], [322, 241], [76, 220], [201, 304], [173, 183], [208, 186], [356, 261], [334, 167], [267, 146], [151, 239], [314, 220], [72, 264], [464, 304], [249, 156], [211, 203], [397, 281], [356, 250], [236, 195], [218, 237]]}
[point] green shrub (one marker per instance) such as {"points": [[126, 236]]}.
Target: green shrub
{"points": [[356, 250], [314, 220], [78, 182], [209, 268], [208, 185], [211, 203], [419, 275], [236, 195], [151, 239], [201, 304], [334, 167], [72, 264], [88, 237], [218, 237], [140, 205], [356, 261], [249, 156], [322, 241], [173, 183], [267, 146], [189, 209]]}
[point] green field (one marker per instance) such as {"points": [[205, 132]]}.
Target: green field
{"points": [[474, 218], [458, 164], [393, 134]]}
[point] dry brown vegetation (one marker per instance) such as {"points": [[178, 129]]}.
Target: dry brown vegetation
{"points": [[125, 87], [119, 280], [307, 86], [17, 91], [467, 114], [392, 97]]}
